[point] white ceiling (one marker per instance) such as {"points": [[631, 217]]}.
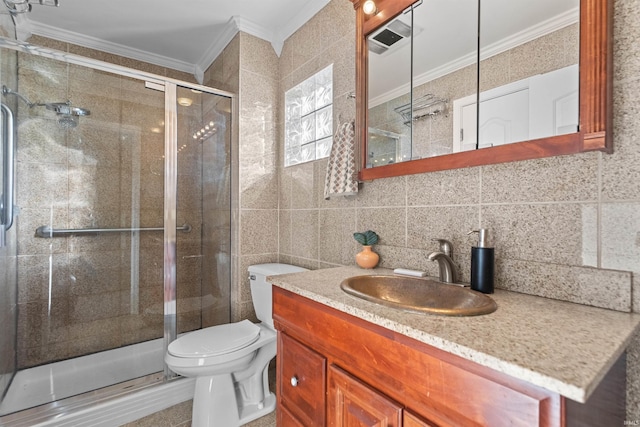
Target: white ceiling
{"points": [[183, 35]]}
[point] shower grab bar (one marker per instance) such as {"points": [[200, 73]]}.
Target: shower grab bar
{"points": [[6, 201], [46, 232]]}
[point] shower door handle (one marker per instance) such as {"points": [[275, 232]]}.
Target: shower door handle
{"points": [[6, 201], [46, 232]]}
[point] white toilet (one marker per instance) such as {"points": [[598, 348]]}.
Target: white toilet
{"points": [[230, 362]]}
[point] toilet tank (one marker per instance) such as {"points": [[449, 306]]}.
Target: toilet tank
{"points": [[261, 289]]}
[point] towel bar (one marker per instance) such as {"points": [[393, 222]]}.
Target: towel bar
{"points": [[46, 232]]}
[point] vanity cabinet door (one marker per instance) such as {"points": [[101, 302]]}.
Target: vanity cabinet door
{"points": [[410, 420], [301, 383], [285, 419], [352, 403]]}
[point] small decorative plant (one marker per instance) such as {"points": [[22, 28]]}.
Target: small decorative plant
{"points": [[367, 258], [367, 238]]}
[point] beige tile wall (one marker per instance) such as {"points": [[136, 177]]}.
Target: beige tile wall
{"points": [[563, 227], [248, 66]]}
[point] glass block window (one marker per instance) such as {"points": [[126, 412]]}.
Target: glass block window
{"points": [[308, 121]]}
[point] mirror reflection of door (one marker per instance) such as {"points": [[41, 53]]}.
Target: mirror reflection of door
{"points": [[529, 53]]}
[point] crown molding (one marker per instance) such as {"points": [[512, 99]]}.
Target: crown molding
{"points": [[109, 47], [276, 39], [229, 31], [528, 34], [26, 28], [252, 28]]}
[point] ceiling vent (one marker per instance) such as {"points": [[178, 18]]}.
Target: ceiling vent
{"points": [[388, 36]]}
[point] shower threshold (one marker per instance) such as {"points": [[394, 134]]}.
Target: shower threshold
{"points": [[60, 380], [107, 407]]}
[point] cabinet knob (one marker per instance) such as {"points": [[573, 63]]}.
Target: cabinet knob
{"points": [[294, 381]]}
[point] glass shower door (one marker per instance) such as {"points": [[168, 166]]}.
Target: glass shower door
{"points": [[90, 230], [123, 233], [203, 256], [8, 241]]}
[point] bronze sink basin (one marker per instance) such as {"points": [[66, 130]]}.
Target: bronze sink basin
{"points": [[419, 295]]}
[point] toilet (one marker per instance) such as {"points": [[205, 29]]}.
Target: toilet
{"points": [[230, 362]]}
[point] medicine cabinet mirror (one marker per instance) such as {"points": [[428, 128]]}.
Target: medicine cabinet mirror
{"points": [[543, 82]]}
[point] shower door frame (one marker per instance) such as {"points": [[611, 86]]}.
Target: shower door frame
{"points": [[8, 238], [169, 87]]}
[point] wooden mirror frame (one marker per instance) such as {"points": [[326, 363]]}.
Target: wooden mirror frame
{"points": [[596, 118]]}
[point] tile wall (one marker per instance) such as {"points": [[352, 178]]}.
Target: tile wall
{"points": [[565, 227], [248, 66]]}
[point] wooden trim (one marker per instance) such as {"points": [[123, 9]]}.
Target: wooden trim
{"points": [[527, 150], [596, 113], [596, 71], [362, 112]]}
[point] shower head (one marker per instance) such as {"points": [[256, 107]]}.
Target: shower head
{"points": [[67, 114], [66, 121], [65, 108]]}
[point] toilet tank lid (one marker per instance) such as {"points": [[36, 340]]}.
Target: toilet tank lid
{"points": [[275, 268]]}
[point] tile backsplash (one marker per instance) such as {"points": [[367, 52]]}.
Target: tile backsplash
{"points": [[554, 223]]}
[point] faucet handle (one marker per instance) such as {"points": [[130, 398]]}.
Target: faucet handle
{"points": [[446, 247]]}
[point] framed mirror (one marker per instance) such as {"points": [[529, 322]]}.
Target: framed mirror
{"points": [[426, 117]]}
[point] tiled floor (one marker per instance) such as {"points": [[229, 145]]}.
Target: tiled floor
{"points": [[267, 421], [180, 416]]}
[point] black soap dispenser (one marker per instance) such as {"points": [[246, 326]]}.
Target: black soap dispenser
{"points": [[482, 261]]}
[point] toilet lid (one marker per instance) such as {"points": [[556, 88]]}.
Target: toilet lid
{"points": [[215, 340]]}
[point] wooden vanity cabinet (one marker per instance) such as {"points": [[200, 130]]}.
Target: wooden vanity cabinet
{"points": [[350, 402], [300, 384], [349, 372]]}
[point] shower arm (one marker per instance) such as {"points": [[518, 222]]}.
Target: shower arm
{"points": [[48, 105], [7, 91]]}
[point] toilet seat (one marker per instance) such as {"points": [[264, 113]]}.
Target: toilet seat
{"points": [[215, 340]]}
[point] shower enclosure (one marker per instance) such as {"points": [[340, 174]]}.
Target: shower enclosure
{"points": [[120, 233]]}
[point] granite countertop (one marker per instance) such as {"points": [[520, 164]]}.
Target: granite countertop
{"points": [[564, 347]]}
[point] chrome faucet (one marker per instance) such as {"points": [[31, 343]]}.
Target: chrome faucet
{"points": [[444, 257]]}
